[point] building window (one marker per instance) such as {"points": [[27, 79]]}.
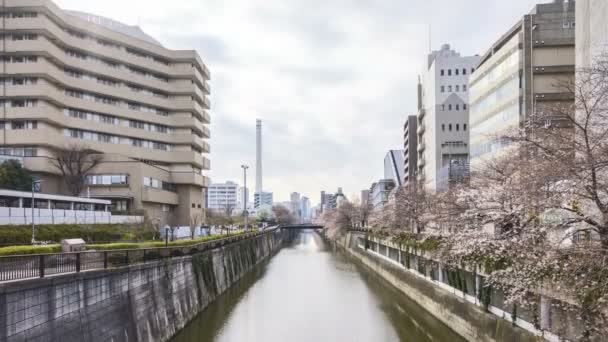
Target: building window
{"points": [[464, 87], [449, 72], [449, 89], [449, 107], [464, 106], [457, 88], [193, 205], [457, 107], [450, 127], [464, 127], [456, 71], [119, 205], [443, 89], [442, 107], [443, 127], [464, 71], [472, 70], [457, 127], [442, 72], [107, 179], [165, 207]]}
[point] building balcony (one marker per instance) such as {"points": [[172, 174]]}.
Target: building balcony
{"points": [[421, 146], [159, 196]]}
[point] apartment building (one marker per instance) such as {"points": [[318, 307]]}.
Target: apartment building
{"points": [[520, 75], [443, 115], [76, 78], [410, 146]]}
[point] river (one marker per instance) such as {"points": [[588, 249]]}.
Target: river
{"points": [[310, 293]]}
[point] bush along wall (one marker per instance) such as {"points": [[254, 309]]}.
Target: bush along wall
{"points": [[97, 233]]}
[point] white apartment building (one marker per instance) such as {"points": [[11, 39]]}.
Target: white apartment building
{"points": [[591, 31], [443, 115], [222, 196]]}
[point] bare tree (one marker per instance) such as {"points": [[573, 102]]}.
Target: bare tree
{"points": [[196, 218], [282, 215], [74, 163]]}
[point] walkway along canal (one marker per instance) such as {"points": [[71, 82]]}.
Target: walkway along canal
{"points": [[310, 292]]}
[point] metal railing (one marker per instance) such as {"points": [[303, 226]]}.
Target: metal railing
{"points": [[18, 267]]}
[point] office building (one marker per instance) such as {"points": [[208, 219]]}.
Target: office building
{"points": [[223, 197], [365, 197], [591, 31], [73, 78], [380, 191], [393, 166], [520, 75], [306, 215], [443, 114], [410, 146], [262, 199]]}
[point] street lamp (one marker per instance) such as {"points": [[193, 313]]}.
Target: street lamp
{"points": [[34, 183], [245, 167]]}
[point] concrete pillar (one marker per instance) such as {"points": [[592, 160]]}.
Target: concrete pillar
{"points": [[71, 205], [20, 202], [440, 273], [48, 204], [399, 251], [545, 313], [477, 287]]}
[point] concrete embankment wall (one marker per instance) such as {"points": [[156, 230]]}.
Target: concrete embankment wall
{"points": [[148, 302], [466, 319]]}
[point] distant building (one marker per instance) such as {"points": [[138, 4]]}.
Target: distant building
{"points": [[410, 146], [380, 192], [393, 166], [365, 198], [443, 113], [222, 196], [305, 209], [262, 198], [591, 31], [519, 76], [294, 204], [331, 201]]}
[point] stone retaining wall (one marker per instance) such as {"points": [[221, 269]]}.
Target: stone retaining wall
{"points": [[148, 302]]}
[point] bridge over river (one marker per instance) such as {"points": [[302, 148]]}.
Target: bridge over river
{"points": [[310, 292]]}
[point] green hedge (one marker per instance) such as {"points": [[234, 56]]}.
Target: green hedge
{"points": [[21, 250], [22, 234], [156, 244]]}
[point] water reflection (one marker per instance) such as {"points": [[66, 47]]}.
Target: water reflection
{"points": [[309, 293]]}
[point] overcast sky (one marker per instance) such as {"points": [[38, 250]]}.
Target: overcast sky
{"points": [[332, 80]]}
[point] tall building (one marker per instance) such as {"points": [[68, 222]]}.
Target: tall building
{"points": [[393, 166], [443, 114], [305, 210], [223, 197], [365, 197], [591, 31], [295, 205], [520, 75], [76, 78], [410, 146]]}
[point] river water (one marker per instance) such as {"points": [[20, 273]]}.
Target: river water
{"points": [[310, 293]]}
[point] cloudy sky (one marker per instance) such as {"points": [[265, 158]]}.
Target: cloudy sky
{"points": [[332, 80]]}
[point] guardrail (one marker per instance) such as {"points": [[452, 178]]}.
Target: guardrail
{"points": [[18, 267]]}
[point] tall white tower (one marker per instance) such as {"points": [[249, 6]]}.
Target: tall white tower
{"points": [[258, 156]]}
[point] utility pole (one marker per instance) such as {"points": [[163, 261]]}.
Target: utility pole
{"points": [[34, 182], [245, 167]]}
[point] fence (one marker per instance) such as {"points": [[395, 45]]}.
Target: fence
{"points": [[551, 318], [62, 216], [42, 265]]}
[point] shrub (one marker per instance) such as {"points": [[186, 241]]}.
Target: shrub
{"points": [[22, 234]]}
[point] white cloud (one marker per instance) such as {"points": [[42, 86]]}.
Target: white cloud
{"points": [[332, 80]]}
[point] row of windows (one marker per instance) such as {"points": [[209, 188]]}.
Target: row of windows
{"points": [[456, 88], [457, 126], [112, 83], [114, 139], [19, 36], [19, 151], [118, 179], [112, 120], [112, 64], [158, 184], [16, 15], [19, 125], [457, 71], [19, 103], [106, 43], [19, 59], [456, 106], [115, 102], [17, 81]]}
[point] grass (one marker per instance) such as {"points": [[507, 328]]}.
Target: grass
{"points": [[55, 248]]}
